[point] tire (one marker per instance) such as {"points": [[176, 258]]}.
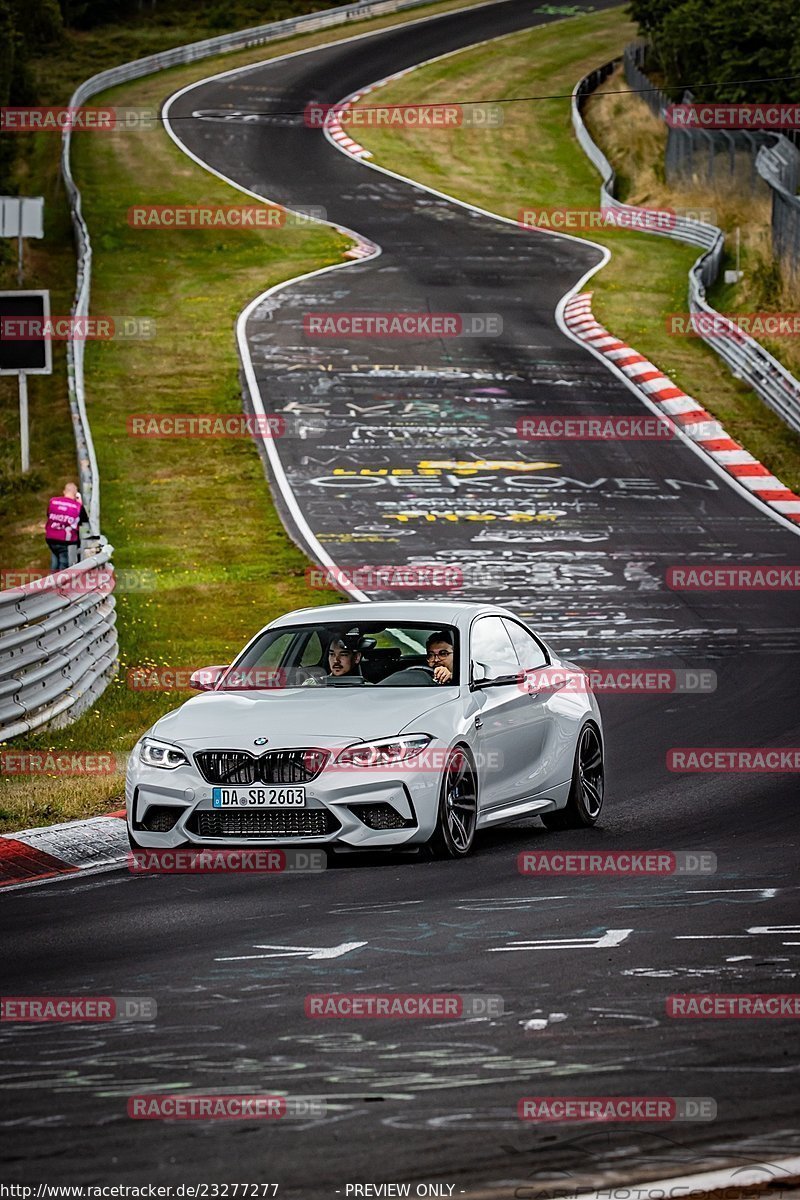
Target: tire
{"points": [[585, 800], [458, 809]]}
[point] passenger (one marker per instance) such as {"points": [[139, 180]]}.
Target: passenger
{"points": [[439, 648]]}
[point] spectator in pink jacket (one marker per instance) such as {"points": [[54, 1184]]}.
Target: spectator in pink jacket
{"points": [[64, 514]]}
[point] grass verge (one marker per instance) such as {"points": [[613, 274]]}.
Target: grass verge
{"points": [[534, 161]]}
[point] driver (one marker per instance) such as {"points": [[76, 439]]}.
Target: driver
{"points": [[343, 658], [439, 648]]}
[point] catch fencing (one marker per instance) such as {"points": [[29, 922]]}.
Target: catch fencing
{"points": [[779, 165], [758, 162], [748, 360]]}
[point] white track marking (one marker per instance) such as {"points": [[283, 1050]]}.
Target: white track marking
{"points": [[312, 952], [612, 937], [765, 893]]}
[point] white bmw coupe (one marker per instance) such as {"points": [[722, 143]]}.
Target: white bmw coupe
{"points": [[373, 726]]}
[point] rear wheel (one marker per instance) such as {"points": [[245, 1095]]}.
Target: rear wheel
{"points": [[458, 809], [588, 782]]}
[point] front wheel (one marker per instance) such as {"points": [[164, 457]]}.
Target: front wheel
{"points": [[458, 809], [588, 783]]}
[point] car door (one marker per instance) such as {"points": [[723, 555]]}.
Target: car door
{"points": [[540, 748], [503, 714]]}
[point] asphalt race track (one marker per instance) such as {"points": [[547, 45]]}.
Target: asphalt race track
{"points": [[229, 960]]}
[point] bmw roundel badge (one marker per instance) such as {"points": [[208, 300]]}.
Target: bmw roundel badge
{"points": [[260, 742]]}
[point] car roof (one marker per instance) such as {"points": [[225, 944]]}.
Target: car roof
{"points": [[444, 612]]}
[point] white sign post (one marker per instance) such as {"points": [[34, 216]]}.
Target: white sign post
{"points": [[24, 427], [21, 217]]}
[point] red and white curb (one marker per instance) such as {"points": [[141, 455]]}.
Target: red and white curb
{"points": [[66, 849], [332, 127], [333, 121], [706, 432]]}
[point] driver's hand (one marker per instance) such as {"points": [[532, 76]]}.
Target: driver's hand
{"points": [[442, 674]]}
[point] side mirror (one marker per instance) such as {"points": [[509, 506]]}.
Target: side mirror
{"points": [[483, 675], [478, 674], [206, 678]]}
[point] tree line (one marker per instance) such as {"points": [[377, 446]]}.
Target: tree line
{"points": [[720, 43]]}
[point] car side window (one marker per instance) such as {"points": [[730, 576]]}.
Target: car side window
{"points": [[313, 652], [491, 643], [529, 652]]}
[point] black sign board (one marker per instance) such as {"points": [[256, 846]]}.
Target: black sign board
{"points": [[18, 352]]}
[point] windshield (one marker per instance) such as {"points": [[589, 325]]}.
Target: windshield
{"points": [[348, 655]]}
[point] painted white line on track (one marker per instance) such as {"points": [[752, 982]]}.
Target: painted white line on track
{"points": [[364, 249], [765, 893], [612, 937]]}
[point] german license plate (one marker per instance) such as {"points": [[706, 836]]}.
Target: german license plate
{"points": [[258, 797]]}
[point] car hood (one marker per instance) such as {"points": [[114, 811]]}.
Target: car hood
{"points": [[299, 716]]}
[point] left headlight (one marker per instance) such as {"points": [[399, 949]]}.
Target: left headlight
{"points": [[385, 753], [154, 753]]}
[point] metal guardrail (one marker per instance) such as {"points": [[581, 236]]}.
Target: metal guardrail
{"points": [[58, 645], [748, 360]]}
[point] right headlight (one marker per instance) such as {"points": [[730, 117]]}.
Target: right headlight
{"points": [[155, 753]]}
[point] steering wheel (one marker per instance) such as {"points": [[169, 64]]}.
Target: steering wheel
{"points": [[309, 677], [411, 677]]}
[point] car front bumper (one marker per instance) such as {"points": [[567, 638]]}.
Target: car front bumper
{"points": [[343, 806]]}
